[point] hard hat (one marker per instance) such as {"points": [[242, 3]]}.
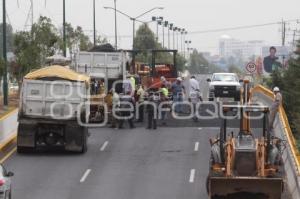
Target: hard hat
{"points": [[162, 78], [179, 79], [276, 89]]}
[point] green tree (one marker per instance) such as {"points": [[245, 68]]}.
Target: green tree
{"points": [[198, 64], [34, 46], [289, 83], [145, 40]]}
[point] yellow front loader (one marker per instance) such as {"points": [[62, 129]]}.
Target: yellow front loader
{"points": [[246, 165]]}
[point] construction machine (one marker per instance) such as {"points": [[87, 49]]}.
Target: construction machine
{"points": [[246, 165]]}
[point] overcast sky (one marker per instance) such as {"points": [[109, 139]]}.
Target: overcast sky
{"points": [[194, 15]]}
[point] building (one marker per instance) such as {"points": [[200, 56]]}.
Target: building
{"points": [[230, 47]]}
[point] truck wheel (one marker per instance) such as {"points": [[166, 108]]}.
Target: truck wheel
{"points": [[211, 99]]}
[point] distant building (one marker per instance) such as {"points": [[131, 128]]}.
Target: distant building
{"points": [[230, 47]]}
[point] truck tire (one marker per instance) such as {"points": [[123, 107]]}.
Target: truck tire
{"points": [[210, 99]]}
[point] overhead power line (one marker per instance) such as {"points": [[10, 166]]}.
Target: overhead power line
{"points": [[240, 27]]}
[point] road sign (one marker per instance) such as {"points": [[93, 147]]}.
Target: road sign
{"points": [[251, 67]]}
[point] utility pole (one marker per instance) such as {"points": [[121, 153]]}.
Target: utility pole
{"points": [[133, 32], [94, 19], [5, 86], [283, 32], [64, 29], [116, 34]]}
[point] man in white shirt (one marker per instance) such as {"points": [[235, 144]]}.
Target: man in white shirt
{"points": [[275, 107]]}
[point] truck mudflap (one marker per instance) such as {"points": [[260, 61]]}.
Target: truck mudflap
{"points": [[26, 134], [244, 187]]}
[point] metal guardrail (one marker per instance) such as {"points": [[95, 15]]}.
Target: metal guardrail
{"points": [[286, 126], [291, 156]]}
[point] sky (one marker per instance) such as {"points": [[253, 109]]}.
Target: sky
{"points": [[193, 15]]}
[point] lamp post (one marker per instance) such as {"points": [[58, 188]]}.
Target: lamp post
{"points": [[182, 32], [158, 22], [5, 86], [94, 21], [174, 30], [116, 31], [166, 23], [169, 41], [178, 31], [187, 42], [64, 29], [133, 19]]}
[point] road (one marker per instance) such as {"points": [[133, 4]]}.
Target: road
{"points": [[169, 163]]}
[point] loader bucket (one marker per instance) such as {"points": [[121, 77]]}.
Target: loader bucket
{"points": [[245, 188]]}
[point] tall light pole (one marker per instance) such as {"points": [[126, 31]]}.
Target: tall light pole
{"points": [[166, 23], [116, 34], [158, 22], [174, 30], [169, 41], [64, 29], [178, 31], [94, 20], [134, 19], [187, 42], [5, 86]]}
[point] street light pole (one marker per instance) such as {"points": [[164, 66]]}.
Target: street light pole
{"points": [[94, 19], [133, 32], [64, 29], [116, 34], [5, 86], [174, 29]]}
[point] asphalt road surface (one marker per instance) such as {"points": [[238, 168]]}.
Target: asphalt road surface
{"points": [[168, 163]]}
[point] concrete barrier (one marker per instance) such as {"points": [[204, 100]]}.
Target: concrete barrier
{"points": [[8, 127], [283, 131]]}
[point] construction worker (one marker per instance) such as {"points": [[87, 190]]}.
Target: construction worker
{"points": [[194, 95], [140, 98], [152, 111], [275, 107], [178, 91], [115, 106], [126, 102], [164, 97]]}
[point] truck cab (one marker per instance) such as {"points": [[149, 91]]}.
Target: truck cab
{"points": [[224, 85]]}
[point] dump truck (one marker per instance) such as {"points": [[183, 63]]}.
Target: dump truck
{"points": [[53, 101], [104, 67], [246, 165]]}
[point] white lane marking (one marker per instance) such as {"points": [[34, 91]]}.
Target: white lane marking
{"points": [[104, 146], [199, 129], [192, 176], [85, 175], [196, 146]]}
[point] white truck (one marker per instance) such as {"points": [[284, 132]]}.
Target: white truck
{"points": [[107, 66], [53, 100], [224, 85]]}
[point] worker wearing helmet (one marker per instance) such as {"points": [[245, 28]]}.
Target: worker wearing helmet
{"points": [[178, 92], [275, 106]]}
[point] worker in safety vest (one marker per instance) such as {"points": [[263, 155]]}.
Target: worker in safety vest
{"points": [[275, 106]]}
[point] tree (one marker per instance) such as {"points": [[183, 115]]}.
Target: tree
{"points": [[145, 40], [289, 83], [198, 64], [34, 46]]}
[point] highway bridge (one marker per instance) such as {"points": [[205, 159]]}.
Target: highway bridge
{"points": [[171, 162]]}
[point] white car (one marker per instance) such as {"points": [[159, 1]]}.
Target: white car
{"points": [[224, 85], [5, 183]]}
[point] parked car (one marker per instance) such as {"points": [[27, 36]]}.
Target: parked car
{"points": [[5, 183], [224, 85]]}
